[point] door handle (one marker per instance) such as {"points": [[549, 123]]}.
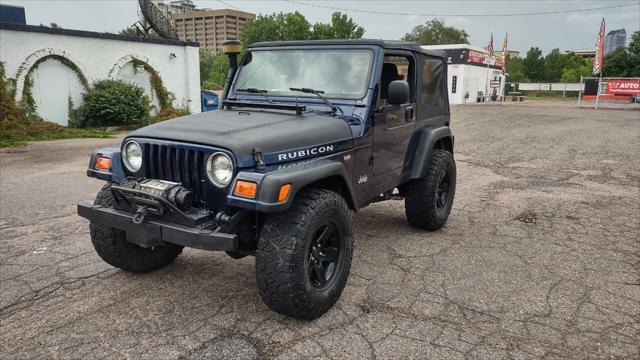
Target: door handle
{"points": [[408, 113]]}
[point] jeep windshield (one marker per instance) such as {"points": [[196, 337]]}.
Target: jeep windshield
{"points": [[337, 73]]}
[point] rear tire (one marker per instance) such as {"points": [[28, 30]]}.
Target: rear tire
{"points": [[429, 199], [112, 247], [304, 255]]}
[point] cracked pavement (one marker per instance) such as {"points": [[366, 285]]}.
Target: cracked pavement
{"points": [[540, 259]]}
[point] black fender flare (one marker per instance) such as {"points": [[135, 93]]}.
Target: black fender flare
{"points": [[427, 142], [299, 177]]}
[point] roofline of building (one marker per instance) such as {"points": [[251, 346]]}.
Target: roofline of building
{"points": [[455, 46], [581, 51], [203, 12], [94, 35], [617, 31]]}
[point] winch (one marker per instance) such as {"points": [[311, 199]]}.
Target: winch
{"points": [[174, 193]]}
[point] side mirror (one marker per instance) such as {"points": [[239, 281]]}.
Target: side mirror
{"points": [[398, 92]]}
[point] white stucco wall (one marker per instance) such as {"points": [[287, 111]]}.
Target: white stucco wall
{"points": [[98, 59]]}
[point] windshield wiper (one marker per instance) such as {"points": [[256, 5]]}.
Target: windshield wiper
{"points": [[318, 93], [261, 92]]}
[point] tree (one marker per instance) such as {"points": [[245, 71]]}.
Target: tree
{"points": [[276, 27], [294, 26], [129, 31], [554, 64], [435, 32], [133, 31], [618, 63], [575, 67], [634, 52], [213, 69], [514, 70], [341, 27], [533, 65]]}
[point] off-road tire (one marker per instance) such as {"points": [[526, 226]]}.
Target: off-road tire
{"points": [[421, 202], [111, 246], [282, 256]]}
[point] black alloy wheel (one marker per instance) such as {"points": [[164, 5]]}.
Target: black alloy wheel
{"points": [[442, 194], [324, 255]]}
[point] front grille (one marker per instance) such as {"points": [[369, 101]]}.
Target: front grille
{"points": [[177, 164]]}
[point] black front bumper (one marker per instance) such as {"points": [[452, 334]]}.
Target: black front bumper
{"points": [[153, 232]]}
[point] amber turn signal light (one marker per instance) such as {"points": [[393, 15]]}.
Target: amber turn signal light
{"points": [[103, 163], [284, 192], [246, 189]]}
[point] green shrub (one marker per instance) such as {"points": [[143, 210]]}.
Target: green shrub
{"points": [[114, 103]]}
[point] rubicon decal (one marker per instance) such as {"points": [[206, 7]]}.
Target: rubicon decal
{"points": [[307, 153], [299, 154]]}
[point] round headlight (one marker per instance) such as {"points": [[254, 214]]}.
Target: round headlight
{"points": [[132, 156], [220, 169]]}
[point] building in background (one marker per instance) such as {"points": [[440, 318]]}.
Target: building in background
{"points": [[211, 27], [585, 53], [62, 63], [472, 75], [176, 7], [614, 39], [12, 14]]}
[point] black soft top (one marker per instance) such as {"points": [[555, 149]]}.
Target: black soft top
{"points": [[387, 44]]}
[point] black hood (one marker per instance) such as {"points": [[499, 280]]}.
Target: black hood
{"points": [[243, 131]]}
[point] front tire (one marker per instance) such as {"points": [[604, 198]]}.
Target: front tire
{"points": [[112, 247], [429, 199], [304, 255]]}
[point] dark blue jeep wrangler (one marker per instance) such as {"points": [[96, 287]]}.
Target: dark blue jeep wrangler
{"points": [[308, 132]]}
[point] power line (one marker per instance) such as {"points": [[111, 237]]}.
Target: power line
{"points": [[229, 5], [468, 15]]}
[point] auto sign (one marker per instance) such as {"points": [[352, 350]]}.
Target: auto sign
{"points": [[623, 87]]}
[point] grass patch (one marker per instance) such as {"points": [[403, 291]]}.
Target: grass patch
{"points": [[19, 131]]}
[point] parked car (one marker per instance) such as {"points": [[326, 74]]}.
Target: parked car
{"points": [[308, 133]]}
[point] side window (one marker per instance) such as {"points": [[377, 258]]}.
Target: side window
{"points": [[396, 67], [433, 94]]}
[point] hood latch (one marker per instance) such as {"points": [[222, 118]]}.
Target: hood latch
{"points": [[257, 158]]}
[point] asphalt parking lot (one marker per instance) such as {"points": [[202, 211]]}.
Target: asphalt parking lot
{"points": [[540, 259]]}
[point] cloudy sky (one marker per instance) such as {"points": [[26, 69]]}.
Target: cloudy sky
{"points": [[567, 31]]}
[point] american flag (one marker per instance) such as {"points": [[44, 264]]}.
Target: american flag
{"points": [[490, 47]]}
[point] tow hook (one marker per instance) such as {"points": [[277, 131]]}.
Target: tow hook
{"points": [[139, 216]]}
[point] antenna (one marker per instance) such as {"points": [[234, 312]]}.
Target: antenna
{"points": [[157, 18]]}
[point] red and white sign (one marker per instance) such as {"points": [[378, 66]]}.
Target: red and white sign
{"points": [[476, 57], [597, 60], [623, 87]]}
